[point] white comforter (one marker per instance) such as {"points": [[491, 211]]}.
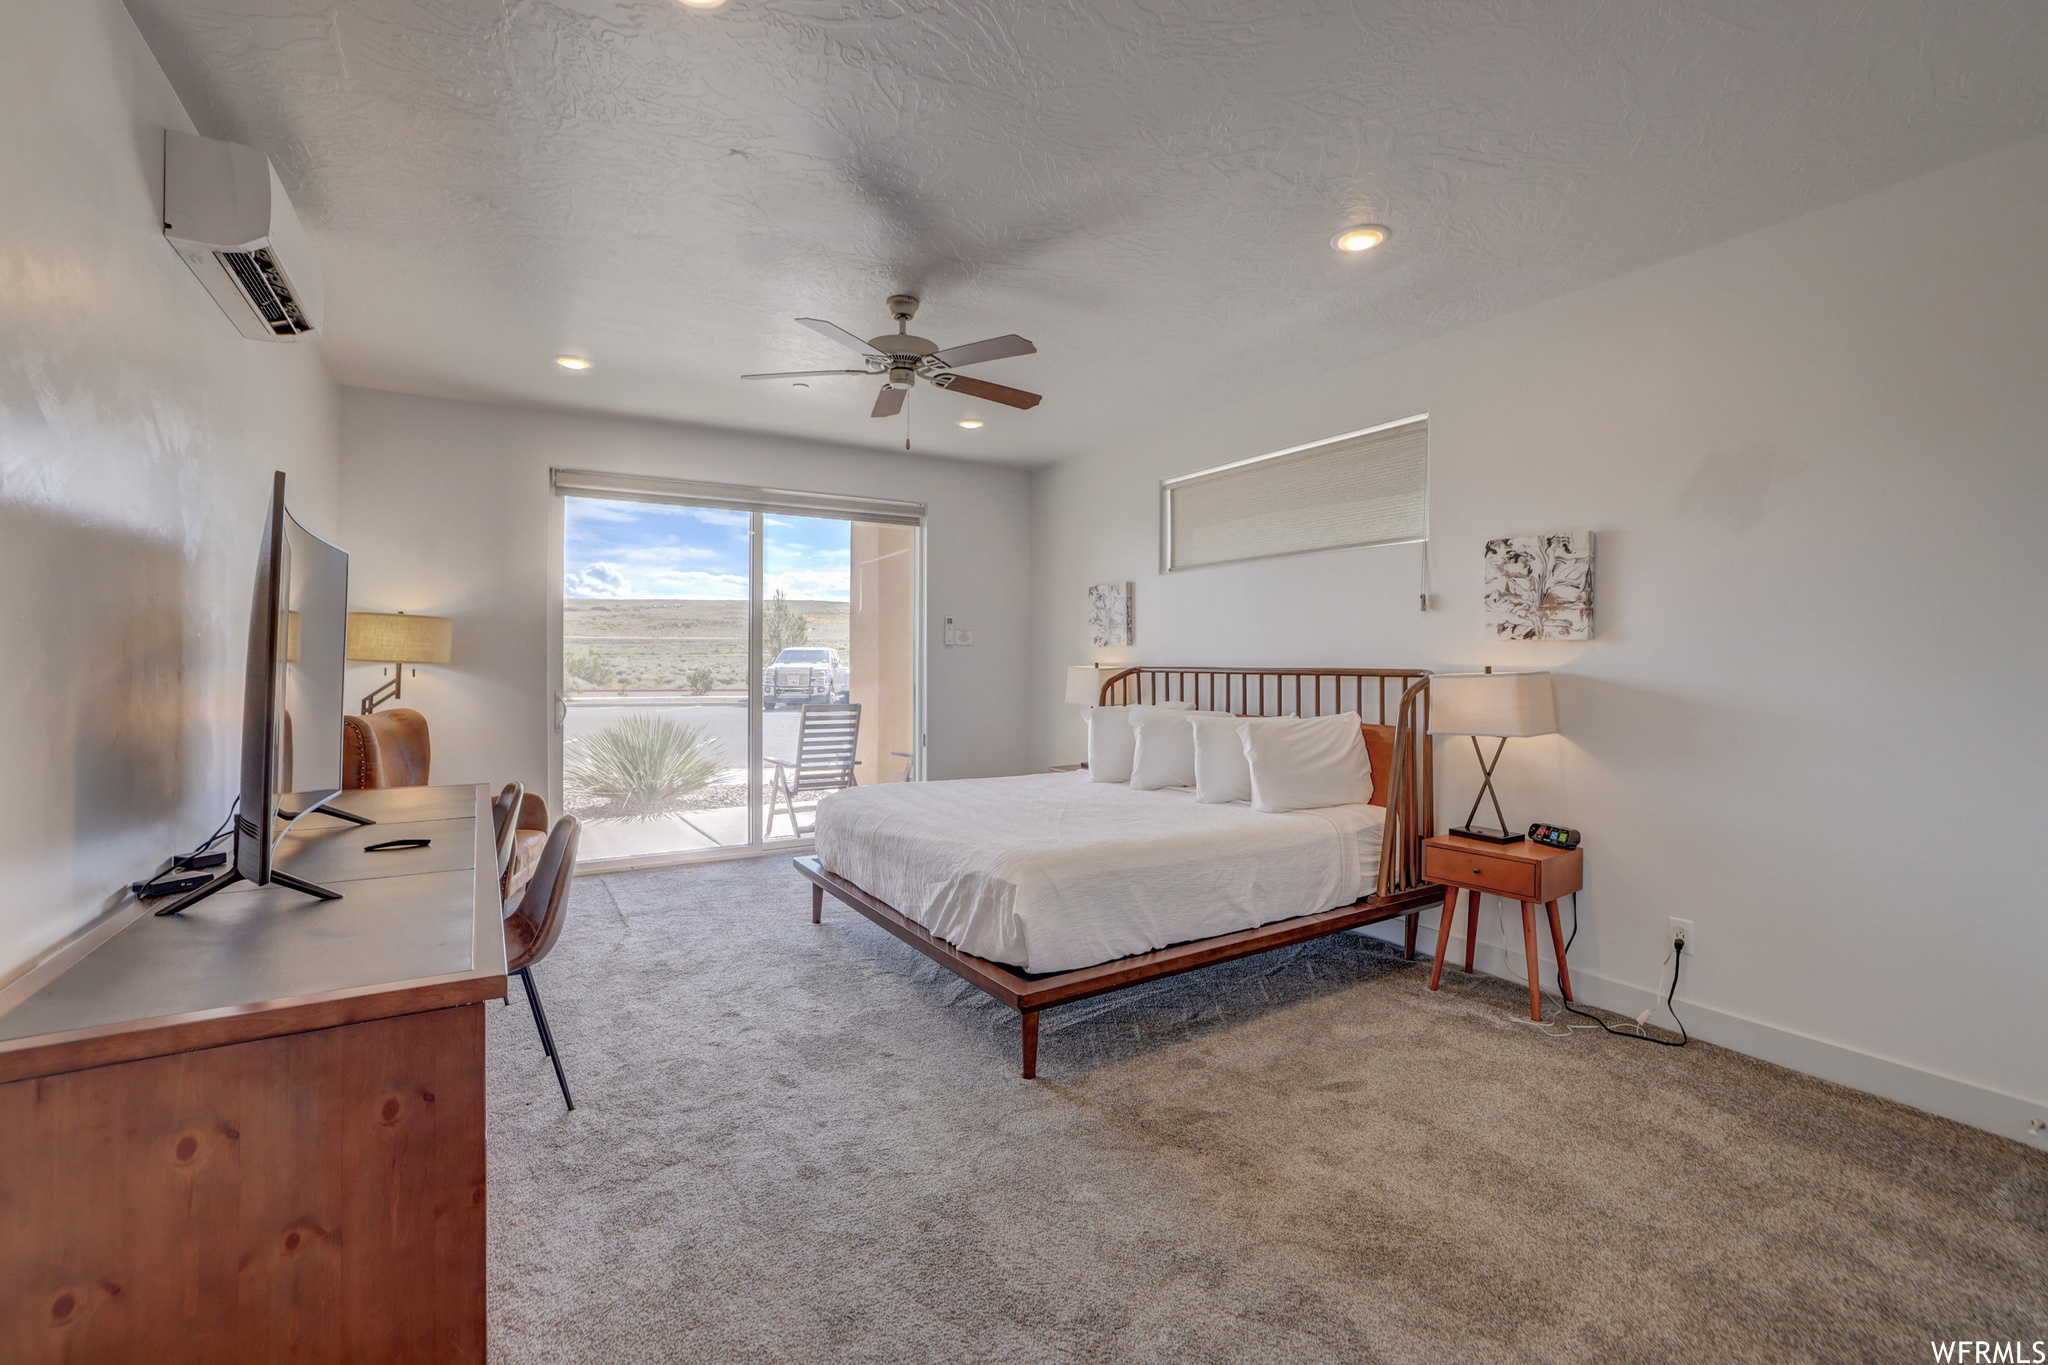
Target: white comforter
{"points": [[1052, 872]]}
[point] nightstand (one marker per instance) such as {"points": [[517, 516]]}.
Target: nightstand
{"points": [[1525, 872]]}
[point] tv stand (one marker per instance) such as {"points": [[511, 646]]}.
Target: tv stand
{"points": [[233, 875], [324, 809]]}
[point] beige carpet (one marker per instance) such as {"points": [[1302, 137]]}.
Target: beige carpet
{"points": [[805, 1143]]}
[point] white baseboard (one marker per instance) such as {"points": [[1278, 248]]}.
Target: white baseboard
{"points": [[1980, 1106]]}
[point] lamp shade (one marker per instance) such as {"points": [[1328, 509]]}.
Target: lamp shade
{"points": [[1084, 685], [396, 638], [1505, 704]]}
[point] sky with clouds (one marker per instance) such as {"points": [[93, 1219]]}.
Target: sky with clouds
{"points": [[647, 549]]}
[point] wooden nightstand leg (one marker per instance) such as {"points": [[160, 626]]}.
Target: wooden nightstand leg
{"points": [[817, 904], [1443, 934], [1471, 927], [1535, 977], [1408, 950], [1564, 973]]}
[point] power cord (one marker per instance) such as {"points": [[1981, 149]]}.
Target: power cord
{"points": [[228, 823], [1677, 961]]}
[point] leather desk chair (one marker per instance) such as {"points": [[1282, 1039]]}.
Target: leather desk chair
{"points": [[532, 928], [529, 837], [504, 827], [386, 749]]}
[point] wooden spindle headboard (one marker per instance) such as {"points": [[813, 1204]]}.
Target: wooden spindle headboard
{"points": [[1392, 702]]}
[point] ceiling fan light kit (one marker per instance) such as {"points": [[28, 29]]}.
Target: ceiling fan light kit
{"points": [[901, 359]]}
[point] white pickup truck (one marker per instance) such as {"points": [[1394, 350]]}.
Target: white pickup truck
{"points": [[805, 673]]}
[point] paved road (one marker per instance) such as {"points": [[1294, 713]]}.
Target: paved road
{"points": [[725, 721]]}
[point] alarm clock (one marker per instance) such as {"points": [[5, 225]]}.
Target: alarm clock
{"points": [[1553, 836]]}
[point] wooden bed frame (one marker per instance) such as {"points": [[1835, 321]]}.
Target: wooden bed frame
{"points": [[1402, 783]]}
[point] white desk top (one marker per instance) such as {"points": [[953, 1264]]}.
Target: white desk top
{"points": [[415, 924]]}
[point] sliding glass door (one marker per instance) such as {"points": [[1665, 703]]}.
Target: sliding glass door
{"points": [[718, 662]]}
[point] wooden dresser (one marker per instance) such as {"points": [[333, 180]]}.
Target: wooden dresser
{"points": [[255, 1131]]}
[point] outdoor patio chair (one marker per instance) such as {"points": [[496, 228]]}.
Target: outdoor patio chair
{"points": [[825, 741]]}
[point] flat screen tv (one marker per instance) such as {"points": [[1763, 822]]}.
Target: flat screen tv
{"points": [[291, 699]]}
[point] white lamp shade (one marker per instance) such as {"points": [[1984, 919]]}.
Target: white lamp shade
{"points": [[396, 638], [1511, 704], [1084, 685]]}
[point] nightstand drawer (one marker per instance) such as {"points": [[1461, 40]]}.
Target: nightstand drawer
{"points": [[1502, 876]]}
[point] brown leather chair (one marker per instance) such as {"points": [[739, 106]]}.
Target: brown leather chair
{"points": [[529, 837], [385, 749], [532, 928], [504, 826]]}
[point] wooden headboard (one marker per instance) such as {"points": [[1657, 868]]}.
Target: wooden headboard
{"points": [[1393, 703]]}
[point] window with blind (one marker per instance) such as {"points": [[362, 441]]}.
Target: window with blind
{"points": [[1366, 487]]}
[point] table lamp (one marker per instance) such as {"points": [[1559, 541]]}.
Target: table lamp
{"points": [[398, 639], [1084, 685], [1498, 705]]}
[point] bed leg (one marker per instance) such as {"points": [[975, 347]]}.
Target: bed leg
{"points": [[1030, 1044], [817, 904], [1408, 951]]}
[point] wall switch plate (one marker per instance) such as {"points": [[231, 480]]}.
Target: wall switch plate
{"points": [[1682, 929]]}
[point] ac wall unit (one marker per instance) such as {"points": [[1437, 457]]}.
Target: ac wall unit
{"points": [[226, 213]]}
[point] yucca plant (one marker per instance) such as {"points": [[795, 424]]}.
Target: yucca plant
{"points": [[641, 765]]}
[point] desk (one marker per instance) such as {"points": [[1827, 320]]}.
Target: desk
{"points": [[255, 1131]]}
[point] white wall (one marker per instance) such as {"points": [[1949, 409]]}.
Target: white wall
{"points": [[1816, 458], [447, 510], [138, 431]]}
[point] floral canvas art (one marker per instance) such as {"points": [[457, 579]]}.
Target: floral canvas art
{"points": [[1540, 587], [1109, 615]]}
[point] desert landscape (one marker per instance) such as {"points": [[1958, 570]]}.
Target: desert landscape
{"points": [[658, 644]]}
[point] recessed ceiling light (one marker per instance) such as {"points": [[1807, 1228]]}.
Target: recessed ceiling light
{"points": [[572, 362], [703, 4], [969, 422], [1364, 237]]}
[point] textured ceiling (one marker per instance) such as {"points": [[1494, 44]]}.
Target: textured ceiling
{"points": [[1145, 188]]}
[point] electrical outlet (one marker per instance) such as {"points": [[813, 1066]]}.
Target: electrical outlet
{"points": [[1681, 932], [2037, 1127]]}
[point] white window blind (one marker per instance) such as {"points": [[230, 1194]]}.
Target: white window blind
{"points": [[649, 488], [1364, 488]]}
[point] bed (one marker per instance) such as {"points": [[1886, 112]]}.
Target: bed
{"points": [[1046, 889]]}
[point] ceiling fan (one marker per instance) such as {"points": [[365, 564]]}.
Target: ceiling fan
{"points": [[904, 358]]}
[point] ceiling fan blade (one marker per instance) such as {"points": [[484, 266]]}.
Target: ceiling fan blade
{"points": [[838, 334], [974, 352], [981, 388], [889, 402], [802, 374]]}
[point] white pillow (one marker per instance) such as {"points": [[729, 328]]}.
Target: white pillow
{"points": [[1303, 764], [1221, 771], [1112, 743], [1165, 755]]}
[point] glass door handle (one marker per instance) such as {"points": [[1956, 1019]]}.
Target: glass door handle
{"points": [[561, 712]]}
